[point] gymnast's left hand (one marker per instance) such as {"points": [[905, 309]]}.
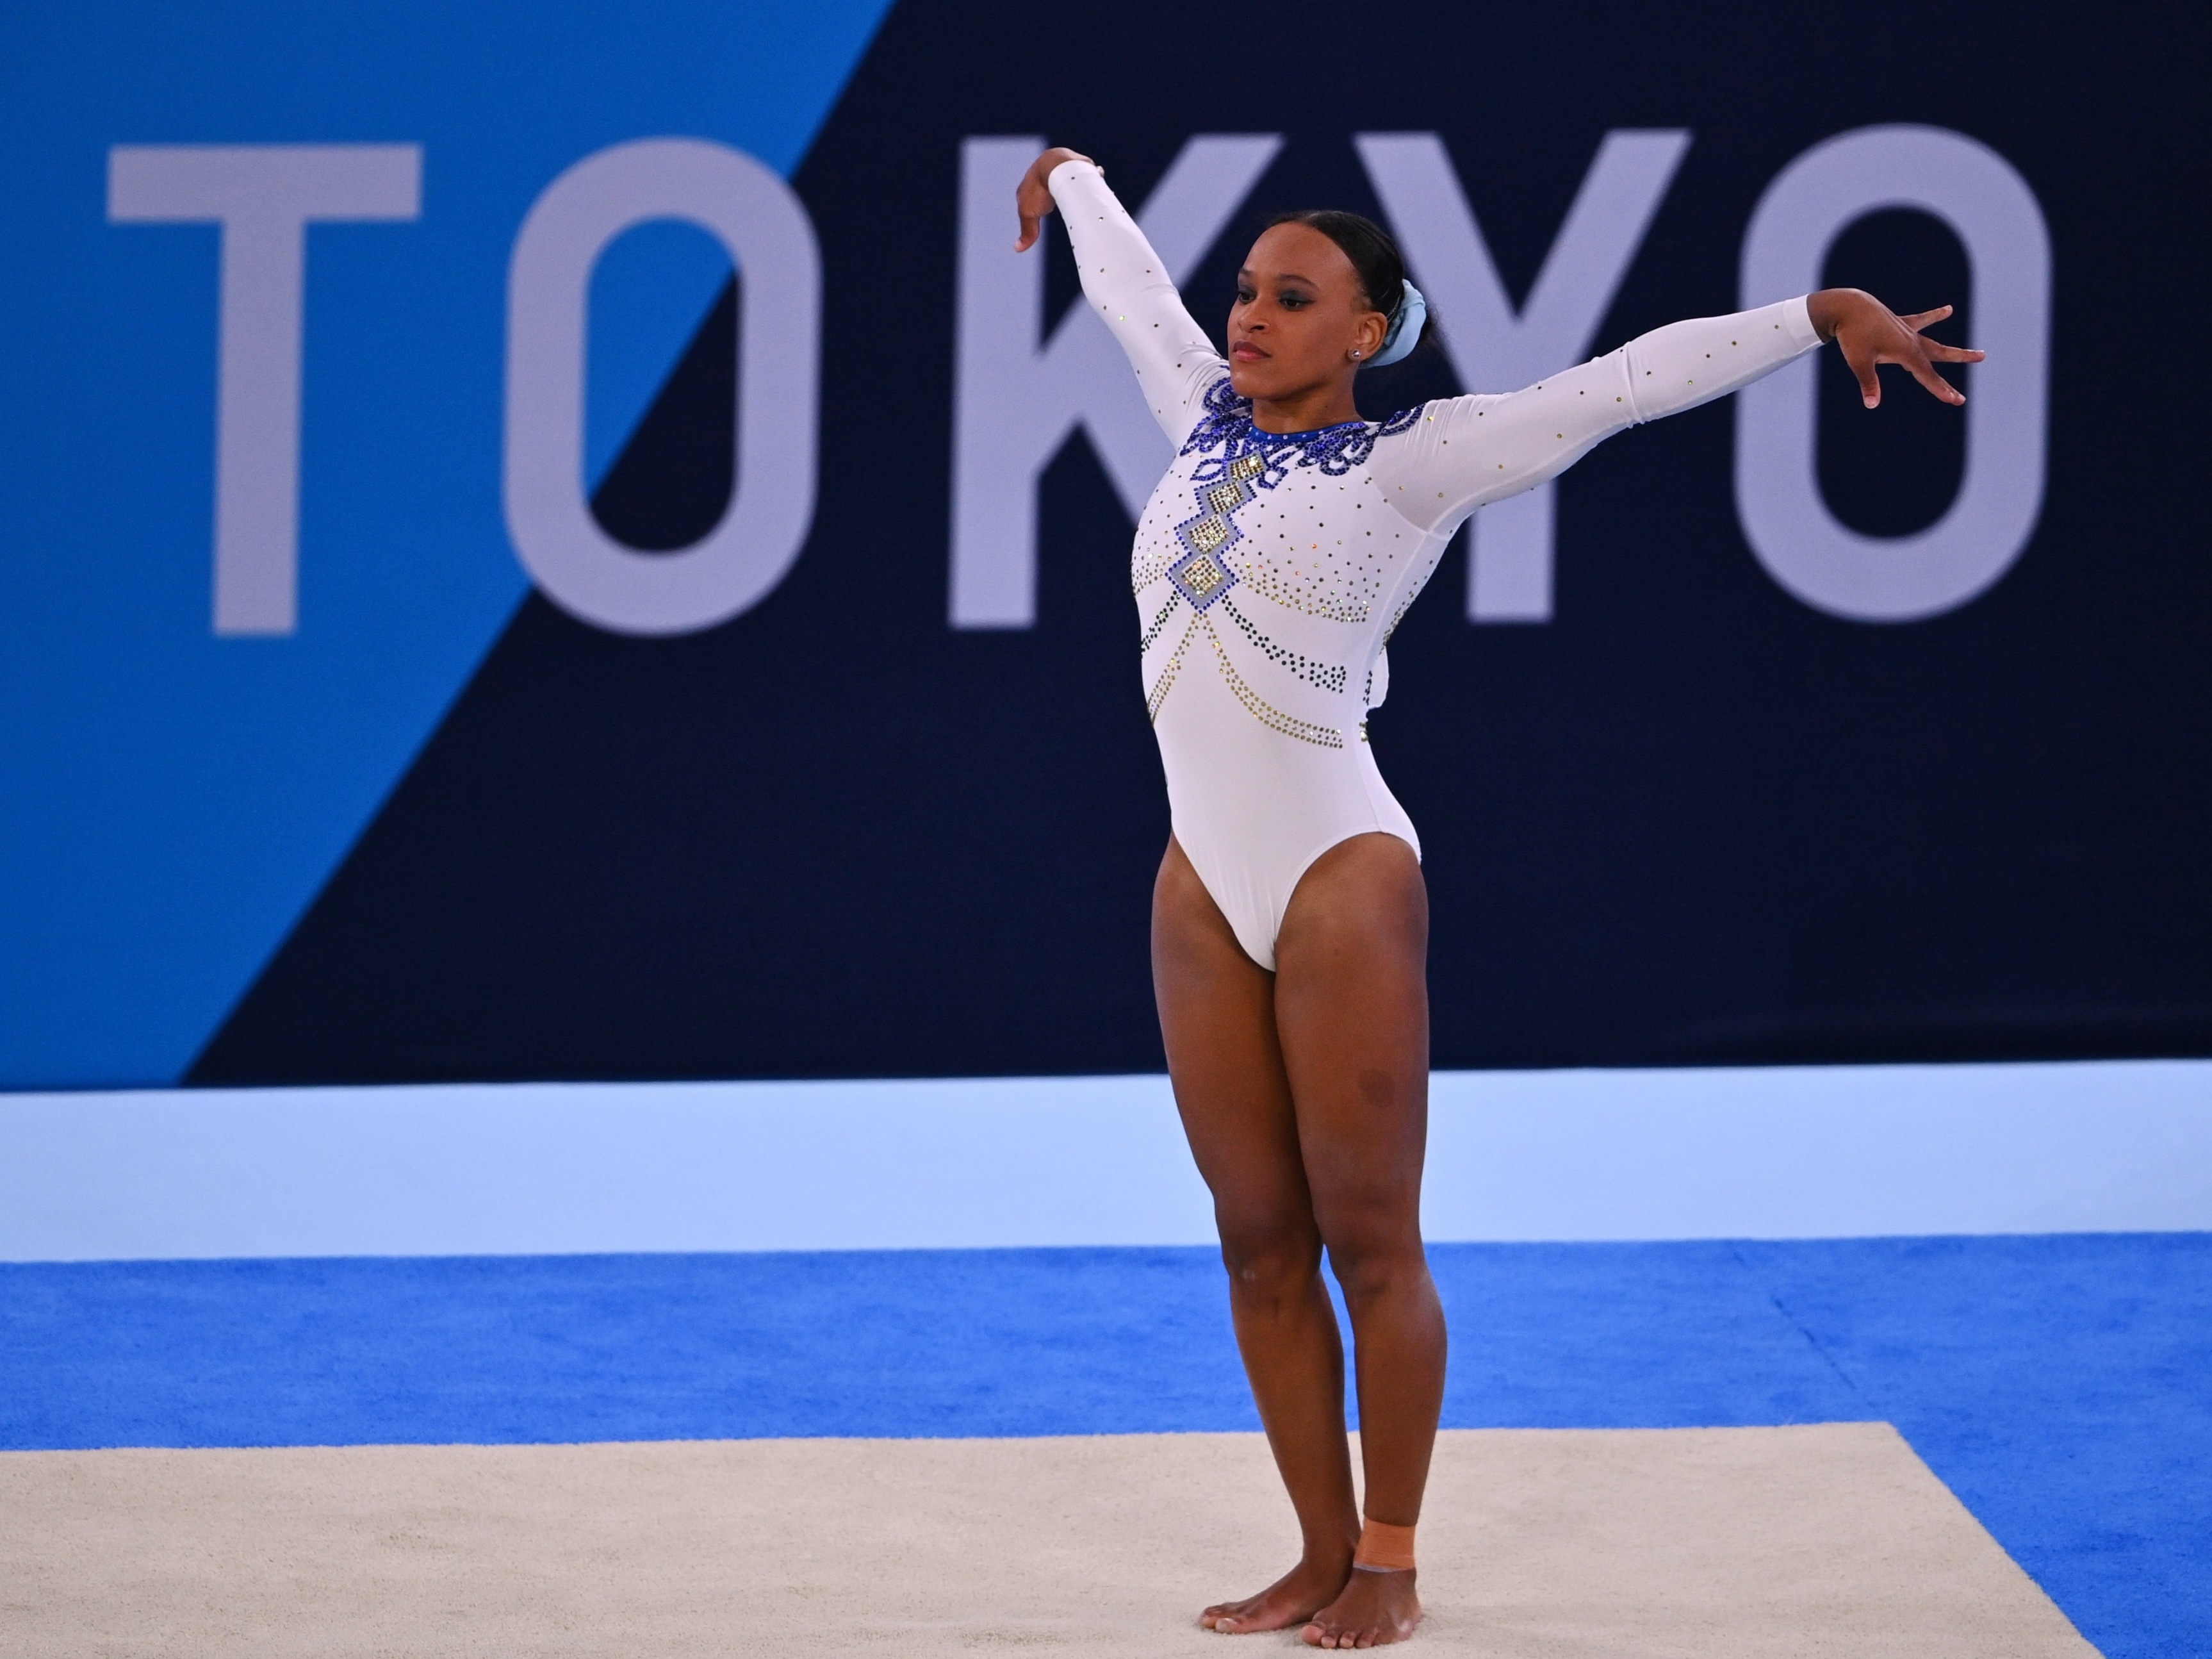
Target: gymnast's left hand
{"points": [[1870, 334], [1033, 195]]}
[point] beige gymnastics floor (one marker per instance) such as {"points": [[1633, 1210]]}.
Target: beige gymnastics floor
{"points": [[1737, 1542]]}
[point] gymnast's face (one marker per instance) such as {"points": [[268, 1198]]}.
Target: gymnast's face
{"points": [[1299, 316]]}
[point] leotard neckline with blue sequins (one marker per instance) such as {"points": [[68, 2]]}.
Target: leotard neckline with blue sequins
{"points": [[1228, 426], [1251, 459]]}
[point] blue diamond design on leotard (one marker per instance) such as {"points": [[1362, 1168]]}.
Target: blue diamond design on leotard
{"points": [[1201, 578], [1209, 532], [1201, 575], [1228, 495]]}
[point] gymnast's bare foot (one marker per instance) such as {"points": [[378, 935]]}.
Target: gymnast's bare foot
{"points": [[1290, 1600], [1376, 1607]]}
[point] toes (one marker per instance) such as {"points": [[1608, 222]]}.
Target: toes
{"points": [[1320, 1635]]}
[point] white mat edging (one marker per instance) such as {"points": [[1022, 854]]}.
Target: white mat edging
{"points": [[1787, 1152]]}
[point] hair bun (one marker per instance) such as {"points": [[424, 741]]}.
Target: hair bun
{"points": [[1406, 324]]}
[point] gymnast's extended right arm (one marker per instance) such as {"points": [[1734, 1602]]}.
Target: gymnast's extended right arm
{"points": [[1126, 284]]}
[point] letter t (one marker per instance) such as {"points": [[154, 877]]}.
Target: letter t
{"points": [[263, 196]]}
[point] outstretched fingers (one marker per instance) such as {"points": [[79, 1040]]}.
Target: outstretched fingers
{"points": [[1925, 372], [1935, 351], [1862, 360], [1920, 321], [1910, 352], [1033, 201]]}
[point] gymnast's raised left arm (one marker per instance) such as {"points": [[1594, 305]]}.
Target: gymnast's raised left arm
{"points": [[1464, 452]]}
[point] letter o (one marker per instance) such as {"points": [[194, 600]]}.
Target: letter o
{"points": [[753, 214], [1978, 193]]}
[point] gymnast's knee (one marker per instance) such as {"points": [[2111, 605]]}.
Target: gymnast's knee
{"points": [[1269, 1257], [1375, 1251]]}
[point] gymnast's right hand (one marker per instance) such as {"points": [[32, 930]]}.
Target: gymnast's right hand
{"points": [[1033, 195]]}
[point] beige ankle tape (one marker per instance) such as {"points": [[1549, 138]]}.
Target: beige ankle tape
{"points": [[1383, 1547]]}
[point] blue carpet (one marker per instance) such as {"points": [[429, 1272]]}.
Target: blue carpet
{"points": [[2061, 1386]]}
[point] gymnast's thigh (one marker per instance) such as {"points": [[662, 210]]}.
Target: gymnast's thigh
{"points": [[1217, 1017], [1353, 1025]]}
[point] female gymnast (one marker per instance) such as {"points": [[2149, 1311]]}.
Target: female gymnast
{"points": [[1289, 923]]}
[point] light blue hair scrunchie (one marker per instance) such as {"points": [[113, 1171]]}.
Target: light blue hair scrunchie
{"points": [[1405, 334]]}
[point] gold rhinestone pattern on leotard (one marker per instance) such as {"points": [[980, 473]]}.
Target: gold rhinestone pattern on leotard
{"points": [[1160, 624], [1316, 546], [1330, 676], [1165, 683], [1295, 591], [1150, 564], [1266, 712]]}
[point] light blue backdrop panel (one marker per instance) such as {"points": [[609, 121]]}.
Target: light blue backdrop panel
{"points": [[171, 800]]}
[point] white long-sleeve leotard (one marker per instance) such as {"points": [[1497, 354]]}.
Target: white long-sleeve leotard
{"points": [[1271, 568]]}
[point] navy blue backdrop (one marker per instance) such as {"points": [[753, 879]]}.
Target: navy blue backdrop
{"points": [[1689, 818]]}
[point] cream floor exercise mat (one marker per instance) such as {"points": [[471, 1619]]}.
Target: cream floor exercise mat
{"points": [[1536, 1544]]}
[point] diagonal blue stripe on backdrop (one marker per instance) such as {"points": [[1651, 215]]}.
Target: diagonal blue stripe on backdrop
{"points": [[169, 802]]}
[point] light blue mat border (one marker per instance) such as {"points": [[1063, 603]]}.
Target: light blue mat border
{"points": [[1799, 1152]]}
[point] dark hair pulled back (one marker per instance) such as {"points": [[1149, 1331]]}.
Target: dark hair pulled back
{"points": [[1371, 249]]}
